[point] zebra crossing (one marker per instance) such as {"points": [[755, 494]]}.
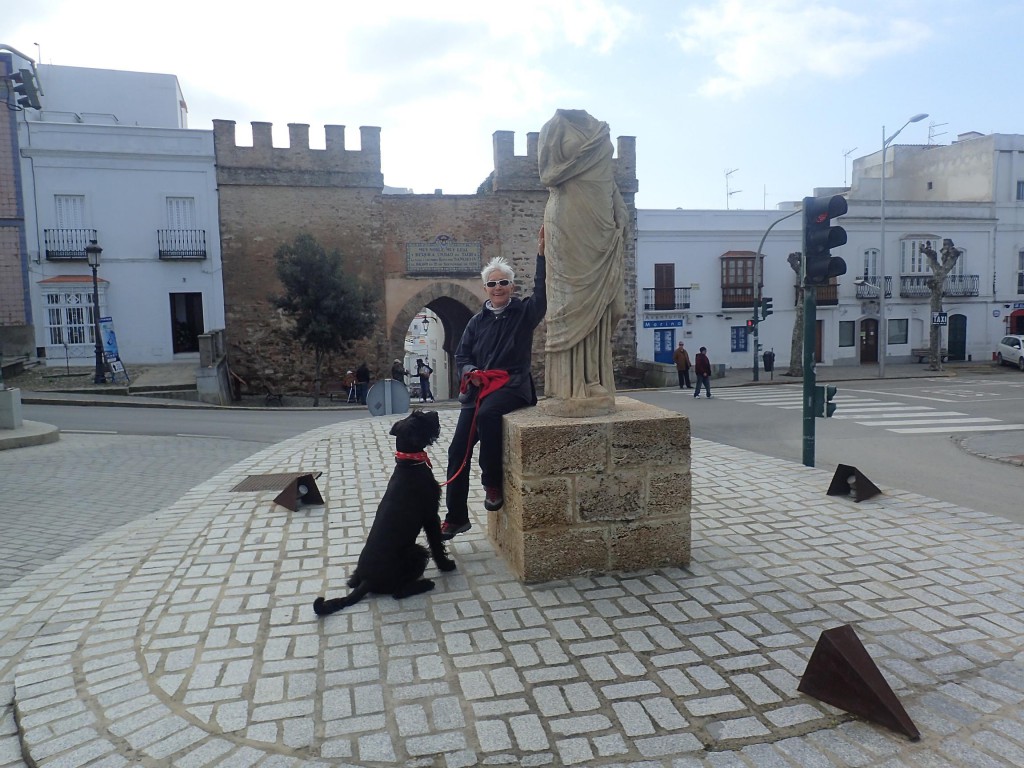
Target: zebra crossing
{"points": [[891, 415]]}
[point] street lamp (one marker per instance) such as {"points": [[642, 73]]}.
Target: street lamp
{"points": [[92, 253], [883, 330]]}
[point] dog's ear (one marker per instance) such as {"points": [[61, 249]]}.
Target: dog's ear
{"points": [[401, 428]]}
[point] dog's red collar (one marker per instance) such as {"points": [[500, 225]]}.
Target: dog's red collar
{"points": [[419, 457]]}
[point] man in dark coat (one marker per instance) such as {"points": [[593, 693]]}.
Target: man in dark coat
{"points": [[702, 369]]}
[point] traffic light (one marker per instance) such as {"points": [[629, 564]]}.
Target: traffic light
{"points": [[25, 90], [751, 325], [820, 236], [766, 307], [823, 405]]}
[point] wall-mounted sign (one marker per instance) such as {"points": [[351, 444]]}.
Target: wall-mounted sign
{"points": [[1018, 305], [443, 256], [663, 323], [940, 318]]}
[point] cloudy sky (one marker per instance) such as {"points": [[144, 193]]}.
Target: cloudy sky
{"points": [[783, 94]]}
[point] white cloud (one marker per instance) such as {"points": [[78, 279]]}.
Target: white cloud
{"points": [[754, 44]]}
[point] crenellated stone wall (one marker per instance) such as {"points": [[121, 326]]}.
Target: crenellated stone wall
{"points": [[269, 195]]}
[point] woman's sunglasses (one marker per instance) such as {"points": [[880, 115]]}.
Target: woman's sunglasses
{"points": [[495, 283]]}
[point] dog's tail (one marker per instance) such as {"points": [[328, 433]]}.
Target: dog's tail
{"points": [[322, 607]]}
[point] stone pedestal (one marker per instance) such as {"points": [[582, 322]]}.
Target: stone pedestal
{"points": [[10, 408], [607, 493]]}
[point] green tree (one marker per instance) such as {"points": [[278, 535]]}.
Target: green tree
{"points": [[328, 307]]}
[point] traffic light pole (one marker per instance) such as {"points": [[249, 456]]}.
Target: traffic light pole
{"points": [[759, 279], [810, 309]]}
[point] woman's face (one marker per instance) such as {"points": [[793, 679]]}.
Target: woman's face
{"points": [[499, 294]]}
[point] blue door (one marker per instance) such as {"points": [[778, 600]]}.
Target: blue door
{"points": [[664, 345]]}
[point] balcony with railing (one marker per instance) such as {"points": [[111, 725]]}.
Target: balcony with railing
{"points": [[181, 244], [67, 244], [869, 288], [824, 295], [916, 286], [666, 299]]}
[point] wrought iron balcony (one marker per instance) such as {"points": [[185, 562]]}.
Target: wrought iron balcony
{"points": [[181, 244], [67, 244], [916, 286], [662, 299], [869, 290]]}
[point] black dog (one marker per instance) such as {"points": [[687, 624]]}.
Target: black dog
{"points": [[392, 561]]}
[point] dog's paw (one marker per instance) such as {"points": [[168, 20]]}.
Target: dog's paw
{"points": [[445, 564], [318, 607]]}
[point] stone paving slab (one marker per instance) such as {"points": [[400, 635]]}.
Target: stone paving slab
{"points": [[188, 639]]}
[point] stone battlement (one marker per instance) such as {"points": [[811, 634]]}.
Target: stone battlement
{"points": [[519, 172], [333, 166]]}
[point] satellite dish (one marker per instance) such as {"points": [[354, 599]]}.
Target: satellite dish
{"points": [[387, 397]]}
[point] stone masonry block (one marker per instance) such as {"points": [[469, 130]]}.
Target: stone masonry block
{"points": [[646, 441], [544, 445], [619, 496], [651, 544], [545, 502], [669, 489], [557, 553]]}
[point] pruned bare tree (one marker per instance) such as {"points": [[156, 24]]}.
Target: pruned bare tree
{"points": [[796, 347], [940, 270]]}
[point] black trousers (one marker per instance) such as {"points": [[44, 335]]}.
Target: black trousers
{"points": [[488, 434], [684, 378]]}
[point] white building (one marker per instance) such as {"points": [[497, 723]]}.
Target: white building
{"points": [[109, 158], [696, 279]]}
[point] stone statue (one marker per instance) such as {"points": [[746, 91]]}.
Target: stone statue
{"points": [[584, 232]]}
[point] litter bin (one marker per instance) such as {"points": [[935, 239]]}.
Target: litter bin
{"points": [[769, 361]]}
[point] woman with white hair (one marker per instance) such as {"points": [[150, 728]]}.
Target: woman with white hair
{"points": [[498, 341]]}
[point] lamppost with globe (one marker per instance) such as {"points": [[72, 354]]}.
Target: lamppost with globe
{"points": [[92, 253]]}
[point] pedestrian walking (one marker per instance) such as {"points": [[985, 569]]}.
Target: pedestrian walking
{"points": [[682, 361], [423, 371], [362, 382], [702, 370]]}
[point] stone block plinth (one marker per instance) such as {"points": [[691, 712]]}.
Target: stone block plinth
{"points": [[598, 494]]}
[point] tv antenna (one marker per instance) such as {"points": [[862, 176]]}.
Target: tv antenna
{"points": [[729, 193], [931, 131], [846, 155]]}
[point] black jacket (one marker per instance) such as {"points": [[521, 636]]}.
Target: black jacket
{"points": [[504, 341]]}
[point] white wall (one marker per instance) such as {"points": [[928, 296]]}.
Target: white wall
{"points": [[106, 96], [125, 175]]}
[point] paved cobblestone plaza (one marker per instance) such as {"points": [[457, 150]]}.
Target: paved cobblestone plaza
{"points": [[187, 638]]}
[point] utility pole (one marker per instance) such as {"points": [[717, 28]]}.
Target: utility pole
{"points": [[758, 288]]}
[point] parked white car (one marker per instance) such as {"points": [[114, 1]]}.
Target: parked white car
{"points": [[1011, 351]]}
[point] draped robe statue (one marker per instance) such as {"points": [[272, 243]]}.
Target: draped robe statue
{"points": [[584, 235]]}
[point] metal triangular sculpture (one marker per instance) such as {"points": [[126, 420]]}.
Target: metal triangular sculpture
{"points": [[301, 489], [841, 673], [849, 479]]}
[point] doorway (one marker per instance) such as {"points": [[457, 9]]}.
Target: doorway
{"points": [[868, 340], [186, 322], [956, 337], [664, 345]]}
